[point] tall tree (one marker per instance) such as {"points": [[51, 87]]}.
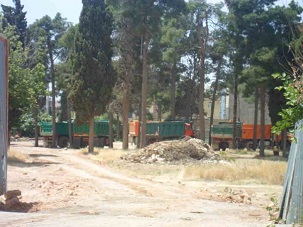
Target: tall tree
{"points": [[152, 12], [218, 52], [262, 27], [203, 36], [173, 32], [127, 44], [36, 90], [148, 16], [26, 84], [17, 91], [50, 31], [15, 16], [94, 77], [64, 74], [204, 17]]}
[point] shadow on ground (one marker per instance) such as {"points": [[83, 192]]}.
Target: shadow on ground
{"points": [[20, 207]]}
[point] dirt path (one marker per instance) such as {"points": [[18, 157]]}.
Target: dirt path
{"points": [[60, 188]]}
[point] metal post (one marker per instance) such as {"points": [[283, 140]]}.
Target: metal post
{"points": [[3, 114]]}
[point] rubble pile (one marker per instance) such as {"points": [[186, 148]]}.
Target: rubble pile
{"points": [[186, 149], [11, 202], [236, 196]]}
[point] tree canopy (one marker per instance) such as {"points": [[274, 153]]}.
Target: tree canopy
{"points": [[95, 77]]}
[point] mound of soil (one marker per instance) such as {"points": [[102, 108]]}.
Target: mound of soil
{"points": [[11, 202], [187, 149]]}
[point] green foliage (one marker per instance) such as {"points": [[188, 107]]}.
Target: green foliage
{"points": [[26, 85], [91, 87], [26, 126], [264, 30], [294, 111], [14, 16], [47, 32], [18, 78]]}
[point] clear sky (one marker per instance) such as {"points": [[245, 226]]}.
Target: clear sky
{"points": [[36, 9], [69, 9]]}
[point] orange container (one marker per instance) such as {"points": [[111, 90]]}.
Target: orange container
{"points": [[248, 132], [134, 128]]}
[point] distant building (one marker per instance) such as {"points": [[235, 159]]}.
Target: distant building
{"points": [[48, 105], [246, 110], [221, 107], [207, 108]]}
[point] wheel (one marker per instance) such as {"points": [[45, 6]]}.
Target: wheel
{"points": [[77, 142], [150, 141], [63, 141], [223, 146], [249, 145], [102, 142], [134, 141], [83, 142]]}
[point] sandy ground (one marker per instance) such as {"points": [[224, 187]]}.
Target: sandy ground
{"points": [[64, 188]]}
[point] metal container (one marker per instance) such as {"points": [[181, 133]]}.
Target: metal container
{"points": [[101, 128], [166, 128], [225, 130]]}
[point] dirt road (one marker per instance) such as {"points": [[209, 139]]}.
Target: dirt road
{"points": [[62, 188]]}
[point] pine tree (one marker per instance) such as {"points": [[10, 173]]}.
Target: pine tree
{"points": [[94, 79], [15, 16]]}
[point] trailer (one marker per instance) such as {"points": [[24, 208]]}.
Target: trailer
{"points": [[161, 130], [101, 135], [222, 135], [80, 134], [248, 135]]}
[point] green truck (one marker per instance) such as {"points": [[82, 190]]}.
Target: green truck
{"points": [[222, 135], [80, 134]]}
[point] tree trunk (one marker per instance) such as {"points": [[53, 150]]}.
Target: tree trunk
{"points": [[139, 126], [91, 135], [256, 118], [111, 134], [125, 106], [144, 88], [36, 126], [70, 128], [213, 100], [262, 118], [118, 128], [235, 106], [173, 91], [202, 45], [52, 72], [159, 112]]}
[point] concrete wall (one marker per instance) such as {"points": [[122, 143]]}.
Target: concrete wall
{"points": [[207, 108], [246, 110]]}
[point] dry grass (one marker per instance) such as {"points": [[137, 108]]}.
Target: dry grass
{"points": [[109, 156], [17, 156], [105, 156], [260, 171], [243, 168]]}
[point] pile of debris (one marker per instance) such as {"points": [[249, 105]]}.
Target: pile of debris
{"points": [[236, 196], [11, 202], [186, 149]]}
